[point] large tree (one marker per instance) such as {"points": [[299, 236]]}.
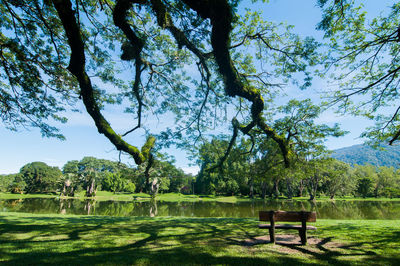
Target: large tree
{"points": [[39, 177], [184, 58]]}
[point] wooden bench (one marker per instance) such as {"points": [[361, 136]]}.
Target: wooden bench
{"points": [[290, 216]]}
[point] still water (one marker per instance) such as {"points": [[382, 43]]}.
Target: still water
{"points": [[325, 210]]}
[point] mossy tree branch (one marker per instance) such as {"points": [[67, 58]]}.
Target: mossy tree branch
{"points": [[77, 68], [220, 14]]}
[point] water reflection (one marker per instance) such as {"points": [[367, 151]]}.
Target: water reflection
{"points": [[325, 210], [153, 207]]}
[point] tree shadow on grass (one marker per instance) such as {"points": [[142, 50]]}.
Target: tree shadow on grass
{"points": [[161, 241], [120, 240]]}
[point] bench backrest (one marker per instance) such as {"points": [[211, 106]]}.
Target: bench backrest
{"points": [[290, 216]]}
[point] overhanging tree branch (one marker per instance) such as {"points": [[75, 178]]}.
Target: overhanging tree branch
{"points": [[77, 68], [131, 50], [220, 14]]}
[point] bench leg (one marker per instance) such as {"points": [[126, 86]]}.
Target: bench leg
{"points": [[303, 236], [272, 235]]}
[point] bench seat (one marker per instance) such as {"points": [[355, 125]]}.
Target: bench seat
{"points": [[288, 216], [286, 226]]}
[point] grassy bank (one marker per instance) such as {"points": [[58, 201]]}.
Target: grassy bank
{"points": [[105, 195], [80, 240], [174, 197]]}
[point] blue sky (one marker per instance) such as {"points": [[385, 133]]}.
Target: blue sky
{"points": [[82, 138]]}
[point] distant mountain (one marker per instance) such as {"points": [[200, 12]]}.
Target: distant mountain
{"points": [[362, 154]]}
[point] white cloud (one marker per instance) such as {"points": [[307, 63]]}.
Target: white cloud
{"points": [[194, 170]]}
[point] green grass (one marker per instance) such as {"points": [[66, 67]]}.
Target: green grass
{"points": [[349, 198], [366, 199], [81, 240], [6, 195], [106, 195], [175, 197]]}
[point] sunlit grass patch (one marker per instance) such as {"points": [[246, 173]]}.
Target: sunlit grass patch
{"points": [[8, 195]]}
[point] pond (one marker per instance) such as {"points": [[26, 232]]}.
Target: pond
{"points": [[325, 209]]}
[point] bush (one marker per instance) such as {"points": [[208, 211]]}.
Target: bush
{"points": [[129, 187]]}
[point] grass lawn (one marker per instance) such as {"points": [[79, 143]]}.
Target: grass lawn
{"points": [[81, 240], [106, 195], [175, 197], [7, 195]]}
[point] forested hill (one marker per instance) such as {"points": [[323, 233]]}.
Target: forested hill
{"points": [[363, 154]]}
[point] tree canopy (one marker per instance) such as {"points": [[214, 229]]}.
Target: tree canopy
{"points": [[200, 62], [364, 59], [191, 59]]}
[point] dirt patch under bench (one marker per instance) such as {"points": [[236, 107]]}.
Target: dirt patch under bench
{"points": [[281, 239]]}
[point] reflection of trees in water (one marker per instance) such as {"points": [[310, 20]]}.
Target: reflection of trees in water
{"points": [[153, 207], [356, 210], [126, 208], [34, 205], [325, 209], [313, 207], [11, 205], [393, 209], [74, 206], [115, 208], [90, 206], [64, 205], [168, 209], [373, 209]]}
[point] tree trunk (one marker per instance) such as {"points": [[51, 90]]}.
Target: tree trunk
{"points": [[148, 186], [312, 197], [275, 189], [301, 188], [263, 189], [312, 187], [90, 190], [63, 193], [251, 188], [147, 183], [289, 188], [315, 188], [154, 187], [68, 189]]}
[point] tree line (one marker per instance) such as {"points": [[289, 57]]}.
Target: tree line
{"points": [[260, 174], [91, 174], [248, 178]]}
